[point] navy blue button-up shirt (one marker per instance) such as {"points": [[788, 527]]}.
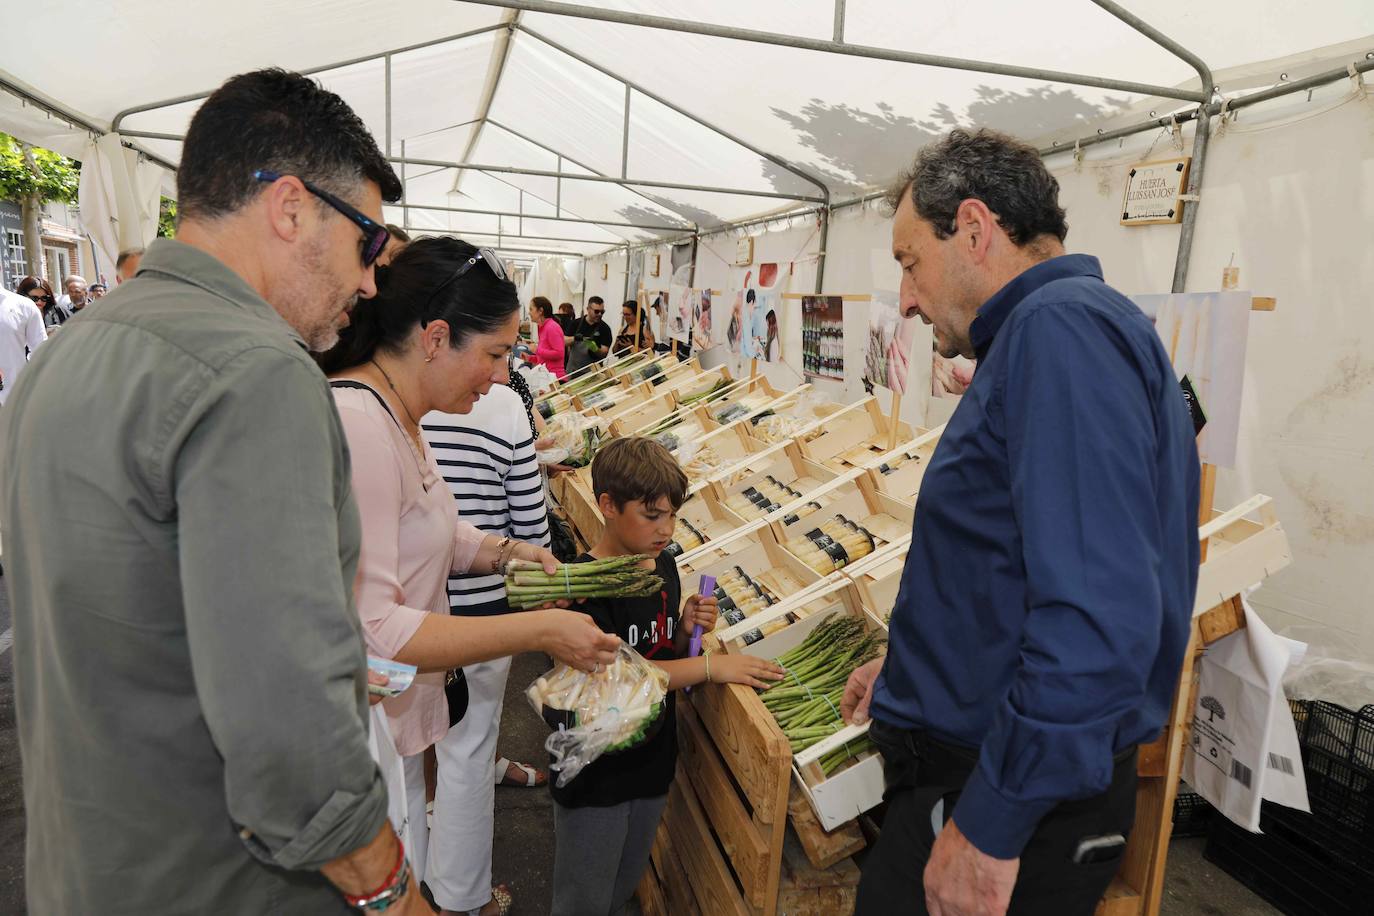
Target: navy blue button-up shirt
{"points": [[1048, 591]]}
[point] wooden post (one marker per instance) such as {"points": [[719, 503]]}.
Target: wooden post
{"points": [[754, 367], [894, 423]]}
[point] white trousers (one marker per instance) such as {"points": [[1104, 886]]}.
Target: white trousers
{"points": [[459, 873]]}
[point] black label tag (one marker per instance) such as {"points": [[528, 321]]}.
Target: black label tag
{"points": [[734, 616], [674, 549], [545, 409], [1195, 409], [752, 636], [835, 550], [725, 604]]}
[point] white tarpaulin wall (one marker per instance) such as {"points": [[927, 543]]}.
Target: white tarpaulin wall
{"points": [[1288, 188]]}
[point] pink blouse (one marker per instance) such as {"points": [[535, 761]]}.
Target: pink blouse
{"points": [[412, 539], [551, 349]]}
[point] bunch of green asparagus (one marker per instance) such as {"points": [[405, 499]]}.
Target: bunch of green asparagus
{"points": [[527, 585], [807, 702]]}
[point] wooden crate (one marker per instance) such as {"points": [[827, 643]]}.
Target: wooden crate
{"points": [[887, 519], [719, 456], [753, 393], [666, 402], [878, 577], [823, 848], [727, 810], [767, 564], [899, 472], [578, 504], [786, 464], [704, 515], [1243, 546], [844, 795], [855, 435], [808, 889], [611, 402]]}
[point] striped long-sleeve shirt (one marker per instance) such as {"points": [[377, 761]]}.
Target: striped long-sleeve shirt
{"points": [[487, 458]]}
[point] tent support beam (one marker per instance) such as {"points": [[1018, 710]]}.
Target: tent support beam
{"points": [[579, 11], [559, 219], [500, 54], [572, 176], [776, 160], [194, 96], [582, 165], [1200, 135], [466, 234], [838, 34]]}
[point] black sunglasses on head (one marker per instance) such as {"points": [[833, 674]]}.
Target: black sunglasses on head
{"points": [[483, 255], [41, 298], [375, 236]]}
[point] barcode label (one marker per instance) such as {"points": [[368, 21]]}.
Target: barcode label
{"points": [[1282, 764], [1241, 773]]}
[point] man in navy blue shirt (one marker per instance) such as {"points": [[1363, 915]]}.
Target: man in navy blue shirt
{"points": [[1045, 607]]}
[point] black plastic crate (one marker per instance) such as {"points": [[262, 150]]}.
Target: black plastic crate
{"points": [[1192, 814], [1297, 878], [1338, 760]]}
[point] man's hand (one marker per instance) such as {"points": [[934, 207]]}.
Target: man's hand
{"points": [[962, 881], [858, 693]]}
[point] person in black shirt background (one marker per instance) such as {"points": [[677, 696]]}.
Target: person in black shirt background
{"points": [[606, 817], [591, 336]]}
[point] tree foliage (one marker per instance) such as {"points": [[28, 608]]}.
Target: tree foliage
{"points": [[58, 177], [167, 219]]}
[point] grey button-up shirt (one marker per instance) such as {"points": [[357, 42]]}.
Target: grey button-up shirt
{"points": [[180, 545]]}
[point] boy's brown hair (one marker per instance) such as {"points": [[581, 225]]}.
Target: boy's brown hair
{"points": [[638, 468]]}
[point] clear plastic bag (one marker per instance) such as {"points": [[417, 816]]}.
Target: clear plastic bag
{"points": [[1329, 670], [577, 435], [613, 710], [538, 378]]}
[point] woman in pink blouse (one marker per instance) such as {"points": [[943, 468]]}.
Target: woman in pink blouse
{"points": [[437, 335], [552, 346]]}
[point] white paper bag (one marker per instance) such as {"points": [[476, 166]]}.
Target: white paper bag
{"points": [[1244, 745], [383, 749]]}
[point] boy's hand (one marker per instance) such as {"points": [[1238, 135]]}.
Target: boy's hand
{"points": [[701, 611], [745, 669]]}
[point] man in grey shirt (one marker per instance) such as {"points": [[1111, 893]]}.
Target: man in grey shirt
{"points": [[182, 539]]}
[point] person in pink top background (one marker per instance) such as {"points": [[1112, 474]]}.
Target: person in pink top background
{"points": [[437, 336], [551, 347]]}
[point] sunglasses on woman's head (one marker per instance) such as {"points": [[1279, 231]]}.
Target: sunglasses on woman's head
{"points": [[375, 236], [483, 255]]}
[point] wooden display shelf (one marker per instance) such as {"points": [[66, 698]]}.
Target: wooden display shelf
{"points": [[878, 578], [787, 466], [753, 395], [841, 797], [899, 473], [888, 520], [612, 401], [710, 517], [855, 435]]}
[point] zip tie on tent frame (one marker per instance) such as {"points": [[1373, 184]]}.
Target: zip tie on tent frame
{"points": [[1078, 155], [1224, 117], [1357, 85], [1176, 130]]}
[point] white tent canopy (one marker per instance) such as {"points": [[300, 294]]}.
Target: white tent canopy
{"points": [[718, 130]]}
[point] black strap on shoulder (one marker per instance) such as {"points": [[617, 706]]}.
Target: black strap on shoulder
{"points": [[350, 383]]}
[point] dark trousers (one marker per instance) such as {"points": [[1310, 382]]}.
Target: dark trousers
{"points": [[924, 778]]}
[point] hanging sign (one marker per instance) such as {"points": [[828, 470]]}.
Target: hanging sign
{"points": [[744, 252], [1153, 190]]}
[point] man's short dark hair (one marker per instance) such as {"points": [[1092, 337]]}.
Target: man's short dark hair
{"points": [[1001, 171], [281, 121], [596, 300], [125, 255]]}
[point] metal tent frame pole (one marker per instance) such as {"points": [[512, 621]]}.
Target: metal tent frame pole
{"points": [[559, 219], [756, 36]]}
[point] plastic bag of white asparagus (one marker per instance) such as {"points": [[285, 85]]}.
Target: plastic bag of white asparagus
{"points": [[612, 710]]}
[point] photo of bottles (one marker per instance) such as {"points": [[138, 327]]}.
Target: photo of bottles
{"points": [[823, 337]]}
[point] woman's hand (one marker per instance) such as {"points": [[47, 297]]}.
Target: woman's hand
{"points": [[701, 611], [574, 640], [380, 680], [745, 669], [536, 554]]}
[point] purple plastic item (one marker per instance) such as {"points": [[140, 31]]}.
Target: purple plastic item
{"points": [[707, 587]]}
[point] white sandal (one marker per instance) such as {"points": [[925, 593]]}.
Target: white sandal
{"points": [[532, 774]]}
